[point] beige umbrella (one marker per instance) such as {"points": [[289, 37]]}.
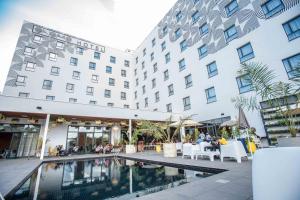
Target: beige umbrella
{"points": [[229, 123], [186, 123]]}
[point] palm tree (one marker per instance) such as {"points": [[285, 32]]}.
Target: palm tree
{"points": [[275, 93]]}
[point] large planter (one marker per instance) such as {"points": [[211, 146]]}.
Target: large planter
{"points": [[171, 171], [130, 148], [288, 141], [170, 150]]}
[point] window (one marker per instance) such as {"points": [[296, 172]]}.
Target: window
{"points": [[178, 16], [186, 103], [126, 106], [110, 104], [245, 52], [135, 94], [52, 56], [47, 84], [152, 56], [202, 51], [123, 73], [112, 59], [171, 90], [156, 96], [145, 75], [95, 78], [230, 33], [126, 63], [107, 93], [203, 29], [60, 45], [144, 89], [79, 50], [292, 66], [137, 105], [212, 69], [166, 75], [165, 30], [195, 16], [72, 100], [155, 67], [211, 95], [76, 75], [54, 70], [144, 52], [143, 64], [92, 65], [28, 51], [135, 72], [155, 109], [111, 81], [93, 102], [153, 83], [181, 64], [136, 82], [196, 1], [108, 69], [89, 90], [163, 45], [73, 61], [20, 80], [231, 8], [97, 55], [30, 66], [188, 81], [123, 95], [146, 102], [153, 42], [183, 45], [178, 33], [23, 94], [70, 88], [244, 83], [169, 107], [37, 38], [292, 28], [136, 60], [50, 98], [126, 84], [167, 57], [272, 7]]}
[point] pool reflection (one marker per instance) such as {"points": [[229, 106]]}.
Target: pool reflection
{"points": [[100, 179]]}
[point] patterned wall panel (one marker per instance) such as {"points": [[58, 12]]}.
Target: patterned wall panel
{"points": [[246, 19]]}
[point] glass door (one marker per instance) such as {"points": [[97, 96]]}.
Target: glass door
{"points": [[89, 143]]}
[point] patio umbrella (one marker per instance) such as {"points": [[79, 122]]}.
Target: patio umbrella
{"points": [[229, 123], [243, 123], [186, 123]]}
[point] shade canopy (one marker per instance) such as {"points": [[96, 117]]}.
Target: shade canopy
{"points": [[188, 122], [229, 123]]}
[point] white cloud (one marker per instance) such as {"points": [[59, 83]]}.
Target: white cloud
{"points": [[120, 24]]}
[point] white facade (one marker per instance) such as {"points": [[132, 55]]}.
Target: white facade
{"points": [[266, 35]]}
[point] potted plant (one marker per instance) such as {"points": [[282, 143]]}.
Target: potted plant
{"points": [[131, 147]]}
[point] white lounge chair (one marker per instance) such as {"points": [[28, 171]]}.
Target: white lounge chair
{"points": [[234, 149], [200, 151], [187, 150]]}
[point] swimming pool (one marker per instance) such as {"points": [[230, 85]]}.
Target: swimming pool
{"points": [[103, 178]]}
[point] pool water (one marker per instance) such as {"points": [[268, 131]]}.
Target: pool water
{"points": [[102, 178]]}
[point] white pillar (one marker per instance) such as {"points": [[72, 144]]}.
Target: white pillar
{"points": [[45, 136], [130, 130], [37, 183], [182, 133]]}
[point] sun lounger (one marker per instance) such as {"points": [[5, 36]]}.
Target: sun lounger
{"points": [[234, 149]]}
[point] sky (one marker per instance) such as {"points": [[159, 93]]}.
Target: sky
{"points": [[122, 24]]}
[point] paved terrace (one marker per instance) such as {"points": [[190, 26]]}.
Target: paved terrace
{"points": [[234, 184]]}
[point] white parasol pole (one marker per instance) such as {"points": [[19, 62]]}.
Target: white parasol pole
{"points": [[248, 137]]}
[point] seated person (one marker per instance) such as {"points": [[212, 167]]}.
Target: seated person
{"points": [[99, 149], [208, 137], [107, 148]]}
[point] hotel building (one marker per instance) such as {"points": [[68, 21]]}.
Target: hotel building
{"points": [[76, 92]]}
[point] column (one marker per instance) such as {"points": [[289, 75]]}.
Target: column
{"points": [[37, 183], [182, 133], [45, 136], [130, 130]]}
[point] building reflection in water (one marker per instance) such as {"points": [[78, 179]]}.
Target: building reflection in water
{"points": [[99, 179]]}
